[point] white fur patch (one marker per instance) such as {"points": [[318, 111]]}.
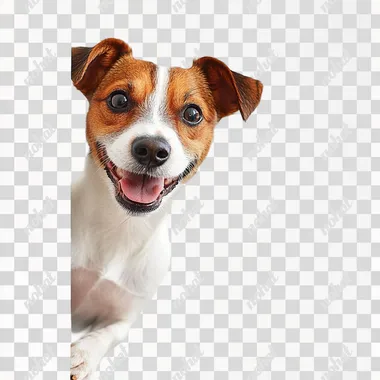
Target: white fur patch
{"points": [[158, 98]]}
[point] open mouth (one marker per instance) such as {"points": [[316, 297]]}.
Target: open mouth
{"points": [[142, 193]]}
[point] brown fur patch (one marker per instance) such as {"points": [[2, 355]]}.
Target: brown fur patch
{"points": [[89, 65], [188, 86], [231, 91], [137, 79]]}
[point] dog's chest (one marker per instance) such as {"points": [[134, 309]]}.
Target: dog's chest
{"points": [[129, 257], [114, 273], [108, 290]]}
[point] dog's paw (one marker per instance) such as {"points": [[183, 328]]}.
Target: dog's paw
{"points": [[84, 359]]}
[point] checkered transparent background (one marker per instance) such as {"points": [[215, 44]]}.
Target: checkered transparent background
{"points": [[308, 38]]}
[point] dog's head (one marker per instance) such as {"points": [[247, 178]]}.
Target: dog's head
{"points": [[151, 127]]}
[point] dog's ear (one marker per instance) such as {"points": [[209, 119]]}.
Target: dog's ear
{"points": [[231, 91], [89, 65]]}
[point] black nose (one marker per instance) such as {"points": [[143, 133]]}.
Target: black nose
{"points": [[151, 151]]}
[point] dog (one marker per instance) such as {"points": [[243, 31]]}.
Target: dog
{"points": [[148, 128]]}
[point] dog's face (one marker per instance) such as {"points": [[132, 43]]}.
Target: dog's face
{"points": [[151, 127]]}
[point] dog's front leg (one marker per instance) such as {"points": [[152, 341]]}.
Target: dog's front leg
{"points": [[87, 352]]}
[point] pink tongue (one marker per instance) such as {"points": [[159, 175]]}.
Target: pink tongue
{"points": [[141, 189]]}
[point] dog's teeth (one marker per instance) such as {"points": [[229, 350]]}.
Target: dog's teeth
{"points": [[119, 172]]}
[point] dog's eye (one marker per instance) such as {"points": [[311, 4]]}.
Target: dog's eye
{"points": [[192, 115], [118, 101]]}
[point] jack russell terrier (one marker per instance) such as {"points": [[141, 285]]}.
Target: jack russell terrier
{"points": [[148, 128]]}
